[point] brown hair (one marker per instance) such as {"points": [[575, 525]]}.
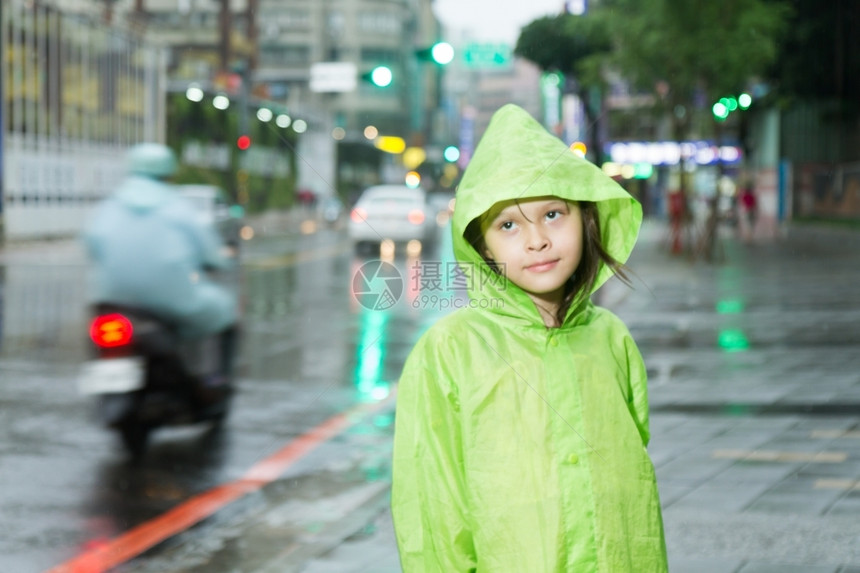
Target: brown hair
{"points": [[579, 285]]}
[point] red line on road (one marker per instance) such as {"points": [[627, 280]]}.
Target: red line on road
{"points": [[182, 517]]}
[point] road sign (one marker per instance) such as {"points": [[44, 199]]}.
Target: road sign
{"points": [[333, 77], [487, 55]]}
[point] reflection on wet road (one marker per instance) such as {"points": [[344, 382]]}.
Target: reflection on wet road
{"points": [[753, 389], [309, 351]]}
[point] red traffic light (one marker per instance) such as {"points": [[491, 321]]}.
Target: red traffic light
{"points": [[244, 142]]}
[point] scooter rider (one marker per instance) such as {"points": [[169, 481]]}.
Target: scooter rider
{"points": [[151, 252]]}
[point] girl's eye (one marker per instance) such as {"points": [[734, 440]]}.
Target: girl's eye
{"points": [[506, 226], [554, 214]]}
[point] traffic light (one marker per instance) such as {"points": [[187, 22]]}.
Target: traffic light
{"points": [[379, 76], [441, 53], [727, 105], [720, 111], [243, 142], [451, 154]]}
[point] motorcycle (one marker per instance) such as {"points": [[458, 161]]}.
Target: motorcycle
{"points": [[144, 377]]}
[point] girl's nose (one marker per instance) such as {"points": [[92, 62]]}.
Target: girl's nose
{"points": [[537, 239]]}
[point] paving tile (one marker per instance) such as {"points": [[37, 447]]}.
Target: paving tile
{"points": [[744, 472], [717, 565], [720, 499], [799, 503], [842, 470], [762, 567], [847, 505], [801, 486], [692, 467], [670, 493]]}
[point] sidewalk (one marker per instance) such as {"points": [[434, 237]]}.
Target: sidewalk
{"points": [[755, 403], [755, 399]]}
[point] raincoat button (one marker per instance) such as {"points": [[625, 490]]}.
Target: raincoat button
{"points": [[553, 341], [572, 459]]}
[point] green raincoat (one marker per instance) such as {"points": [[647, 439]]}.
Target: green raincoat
{"points": [[520, 448]]}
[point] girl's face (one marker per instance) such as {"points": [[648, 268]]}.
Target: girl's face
{"points": [[537, 243]]}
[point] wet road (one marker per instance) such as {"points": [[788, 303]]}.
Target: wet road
{"points": [[753, 381], [310, 350]]}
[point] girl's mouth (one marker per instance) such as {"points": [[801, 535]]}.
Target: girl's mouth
{"points": [[543, 266]]}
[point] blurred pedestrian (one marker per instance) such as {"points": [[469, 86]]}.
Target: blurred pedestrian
{"points": [[151, 251], [749, 211], [522, 420], [307, 198], [678, 219]]}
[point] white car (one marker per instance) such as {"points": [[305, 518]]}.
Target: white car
{"points": [[394, 212], [441, 207], [214, 209]]}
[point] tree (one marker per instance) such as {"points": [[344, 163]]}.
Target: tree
{"points": [[819, 55], [574, 46], [692, 53], [701, 51]]}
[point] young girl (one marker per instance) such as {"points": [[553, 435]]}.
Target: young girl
{"points": [[522, 420]]}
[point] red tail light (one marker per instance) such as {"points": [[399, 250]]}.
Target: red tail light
{"points": [[359, 215], [416, 216], [111, 330]]}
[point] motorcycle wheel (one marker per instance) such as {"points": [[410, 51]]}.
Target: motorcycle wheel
{"points": [[220, 412], [135, 436]]}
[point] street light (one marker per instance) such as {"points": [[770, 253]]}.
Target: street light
{"points": [[221, 102], [264, 114], [194, 93]]}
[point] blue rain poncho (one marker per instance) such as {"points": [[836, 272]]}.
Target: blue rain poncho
{"points": [[150, 250]]}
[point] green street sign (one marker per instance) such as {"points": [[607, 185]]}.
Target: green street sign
{"points": [[487, 55]]}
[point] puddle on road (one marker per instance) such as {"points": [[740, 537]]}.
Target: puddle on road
{"points": [[43, 315]]}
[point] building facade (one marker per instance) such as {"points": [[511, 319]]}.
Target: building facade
{"points": [[75, 96], [265, 52]]}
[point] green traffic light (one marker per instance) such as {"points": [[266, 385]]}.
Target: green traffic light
{"points": [[381, 76], [442, 53], [744, 101], [721, 111]]}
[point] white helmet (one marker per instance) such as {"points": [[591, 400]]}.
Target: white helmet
{"points": [[152, 160]]}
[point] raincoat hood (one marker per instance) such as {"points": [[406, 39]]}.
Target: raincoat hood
{"points": [[517, 158], [143, 194]]}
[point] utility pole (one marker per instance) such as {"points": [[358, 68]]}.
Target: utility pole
{"points": [[107, 14], [253, 33], [225, 25], [2, 126]]}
